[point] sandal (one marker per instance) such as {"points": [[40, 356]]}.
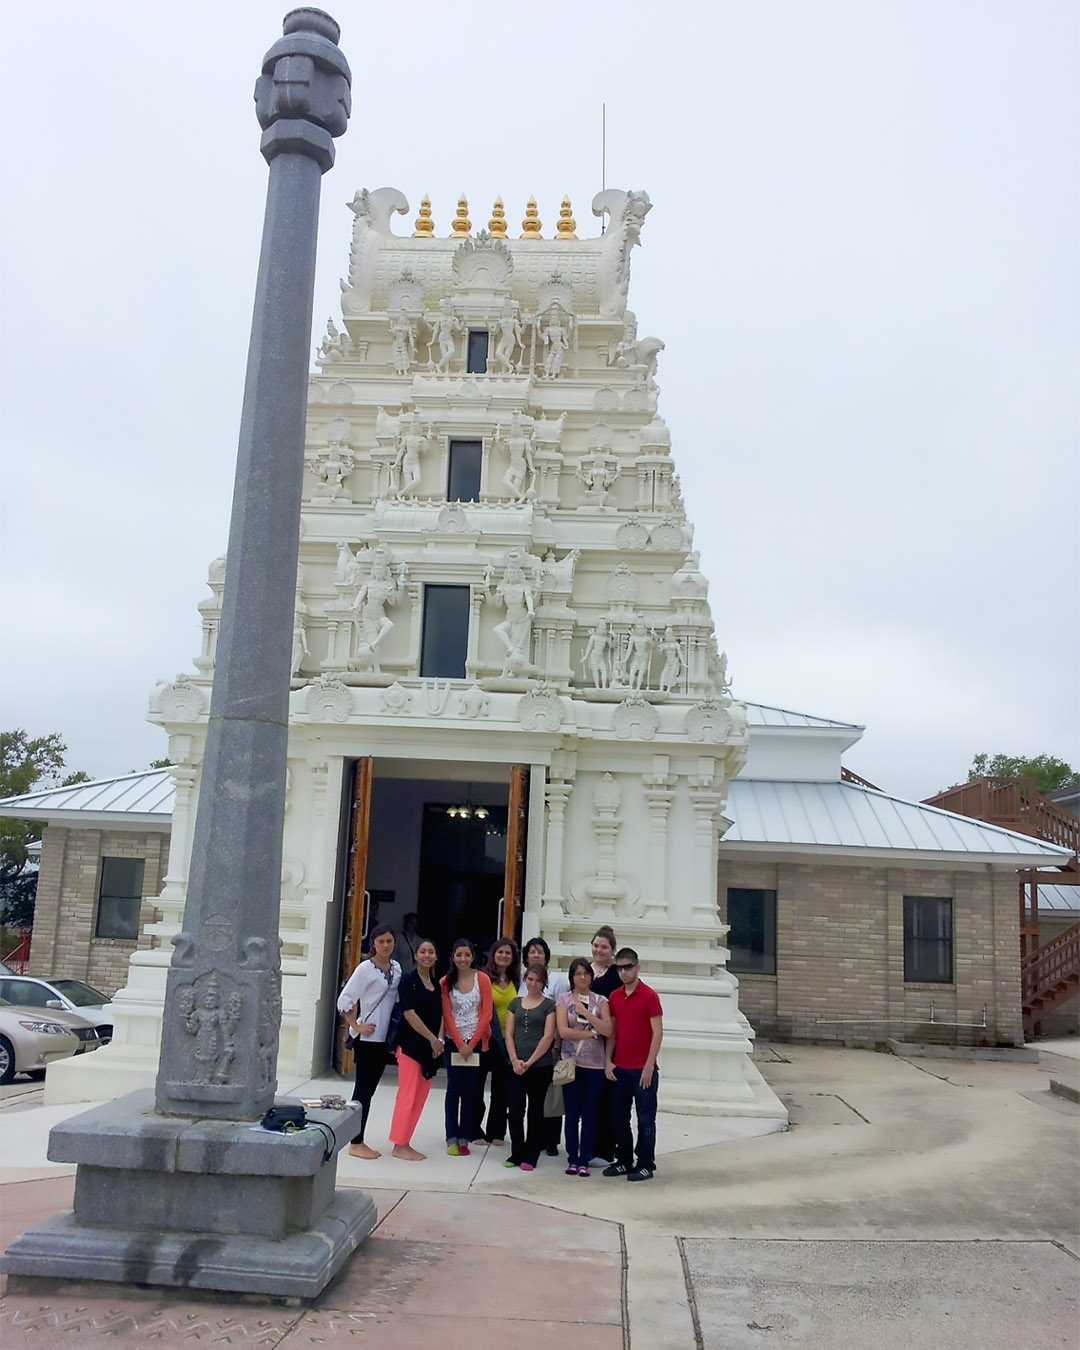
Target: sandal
{"points": [[572, 1171], [583, 1172]]}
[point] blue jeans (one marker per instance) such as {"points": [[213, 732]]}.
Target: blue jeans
{"points": [[464, 1102], [579, 1101], [628, 1090]]}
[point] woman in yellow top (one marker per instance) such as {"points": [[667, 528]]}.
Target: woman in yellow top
{"points": [[503, 968]]}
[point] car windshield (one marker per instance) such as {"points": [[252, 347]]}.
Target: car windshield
{"points": [[82, 995]]}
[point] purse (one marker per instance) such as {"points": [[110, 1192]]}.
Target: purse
{"points": [[458, 1060], [285, 1119], [565, 1071]]}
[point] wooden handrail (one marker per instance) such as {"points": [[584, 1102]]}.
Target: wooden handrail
{"points": [[1051, 963], [1013, 803]]}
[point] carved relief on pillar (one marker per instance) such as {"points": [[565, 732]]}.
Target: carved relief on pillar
{"points": [[332, 464], [658, 791], [515, 592], [606, 895]]}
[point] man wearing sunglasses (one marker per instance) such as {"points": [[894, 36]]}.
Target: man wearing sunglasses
{"points": [[631, 1066]]}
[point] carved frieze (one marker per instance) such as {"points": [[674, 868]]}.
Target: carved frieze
{"points": [[707, 722], [396, 699], [634, 719], [540, 710], [328, 700], [180, 701]]}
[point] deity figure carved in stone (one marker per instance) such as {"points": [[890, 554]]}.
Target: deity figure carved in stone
{"points": [[556, 339], [718, 667], [377, 590], [623, 352], [444, 327], [671, 650], [596, 659], [520, 477], [385, 425], [640, 648], [335, 344], [403, 339], [412, 442], [213, 1028], [598, 474], [515, 631], [508, 337]]}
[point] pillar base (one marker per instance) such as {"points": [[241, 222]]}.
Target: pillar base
{"points": [[197, 1204]]}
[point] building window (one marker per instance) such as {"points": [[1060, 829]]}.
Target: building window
{"points": [[477, 353], [445, 641], [463, 481], [751, 916], [928, 955], [119, 898]]}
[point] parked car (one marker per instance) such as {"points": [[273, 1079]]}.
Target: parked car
{"points": [[29, 991], [31, 1039]]}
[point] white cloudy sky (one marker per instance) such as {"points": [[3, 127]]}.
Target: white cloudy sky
{"points": [[862, 259]]}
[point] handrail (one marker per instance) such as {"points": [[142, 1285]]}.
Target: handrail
{"points": [[849, 776], [1014, 803], [1051, 963]]}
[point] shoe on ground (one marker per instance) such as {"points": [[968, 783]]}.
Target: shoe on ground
{"points": [[552, 1152], [583, 1172], [509, 1163], [640, 1174], [615, 1170], [452, 1150], [528, 1167], [571, 1171], [463, 1150]]}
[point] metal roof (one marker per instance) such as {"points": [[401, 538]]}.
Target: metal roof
{"points": [[764, 715], [146, 796], [831, 815], [1059, 897]]}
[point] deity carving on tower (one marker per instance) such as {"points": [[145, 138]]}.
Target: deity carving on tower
{"points": [[335, 344], [520, 477], [508, 337], [377, 590], [403, 336], [671, 650], [596, 659], [556, 340], [334, 464], [640, 648], [515, 592], [597, 473], [444, 328], [412, 442]]}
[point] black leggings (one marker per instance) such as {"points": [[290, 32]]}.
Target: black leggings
{"points": [[370, 1061]]}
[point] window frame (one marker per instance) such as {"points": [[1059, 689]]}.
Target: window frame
{"points": [[766, 964], [114, 907], [427, 669], [917, 945], [482, 347], [457, 448]]}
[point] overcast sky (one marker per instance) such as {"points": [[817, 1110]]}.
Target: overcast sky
{"points": [[862, 258]]}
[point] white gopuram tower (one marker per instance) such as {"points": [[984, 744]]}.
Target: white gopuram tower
{"points": [[497, 593]]}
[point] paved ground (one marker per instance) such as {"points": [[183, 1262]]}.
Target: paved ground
{"points": [[914, 1204]]}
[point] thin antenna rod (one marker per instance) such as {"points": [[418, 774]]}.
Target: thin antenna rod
{"points": [[603, 158]]}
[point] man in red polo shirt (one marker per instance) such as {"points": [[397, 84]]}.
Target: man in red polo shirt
{"points": [[631, 1066]]}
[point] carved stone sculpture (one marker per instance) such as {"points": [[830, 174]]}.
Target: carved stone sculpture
{"points": [[508, 338], [597, 473], [212, 1025], [515, 592], [377, 590], [622, 585], [444, 328], [641, 646], [520, 477], [473, 702], [596, 659], [635, 718], [328, 700], [403, 343], [671, 650], [412, 442], [540, 710], [556, 341], [707, 722], [335, 344]]}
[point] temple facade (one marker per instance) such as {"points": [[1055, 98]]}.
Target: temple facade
{"points": [[510, 710]]}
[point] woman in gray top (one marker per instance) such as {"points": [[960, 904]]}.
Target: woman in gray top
{"points": [[530, 1031]]}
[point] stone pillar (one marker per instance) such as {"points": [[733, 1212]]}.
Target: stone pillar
{"points": [[557, 794], [223, 996], [659, 794]]}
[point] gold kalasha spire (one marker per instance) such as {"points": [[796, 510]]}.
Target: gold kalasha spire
{"points": [[566, 224], [462, 223], [497, 223], [530, 226], [425, 226]]}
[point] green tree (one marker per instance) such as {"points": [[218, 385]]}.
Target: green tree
{"points": [[25, 764], [1048, 771]]}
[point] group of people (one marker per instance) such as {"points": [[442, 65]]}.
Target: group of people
{"points": [[594, 1033]]}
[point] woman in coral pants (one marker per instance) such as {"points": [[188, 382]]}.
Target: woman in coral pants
{"points": [[419, 1049]]}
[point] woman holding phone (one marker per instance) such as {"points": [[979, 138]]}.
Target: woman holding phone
{"points": [[583, 1021], [466, 1010]]}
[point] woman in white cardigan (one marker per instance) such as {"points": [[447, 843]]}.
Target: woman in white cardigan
{"points": [[366, 1002]]}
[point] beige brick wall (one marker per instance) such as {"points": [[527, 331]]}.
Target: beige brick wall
{"points": [[65, 914], [840, 954]]}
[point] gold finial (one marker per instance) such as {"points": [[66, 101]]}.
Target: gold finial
{"points": [[425, 226], [530, 226], [497, 223], [462, 224], [566, 224]]}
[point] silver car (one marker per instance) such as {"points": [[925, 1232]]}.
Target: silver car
{"points": [[31, 991], [31, 1039]]}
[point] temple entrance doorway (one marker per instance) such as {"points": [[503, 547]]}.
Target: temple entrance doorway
{"points": [[420, 839]]}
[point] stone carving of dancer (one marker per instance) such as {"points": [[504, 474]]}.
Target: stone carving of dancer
{"points": [[443, 330], [508, 337], [213, 1027], [377, 590], [403, 351], [412, 442], [515, 631], [671, 650], [640, 649], [596, 659], [556, 342], [520, 477]]}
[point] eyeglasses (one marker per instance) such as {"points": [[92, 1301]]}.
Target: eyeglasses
{"points": [[626, 965]]}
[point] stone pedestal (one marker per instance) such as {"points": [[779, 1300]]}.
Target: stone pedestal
{"points": [[197, 1204]]}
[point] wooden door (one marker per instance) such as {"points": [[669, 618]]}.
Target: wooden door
{"points": [[517, 821], [356, 896]]}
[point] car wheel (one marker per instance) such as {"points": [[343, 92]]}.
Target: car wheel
{"points": [[7, 1060], [104, 1035]]}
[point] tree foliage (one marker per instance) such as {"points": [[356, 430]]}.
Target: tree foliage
{"points": [[1048, 771], [26, 763]]}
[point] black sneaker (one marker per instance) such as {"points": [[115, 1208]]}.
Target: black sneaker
{"points": [[616, 1170], [638, 1174], [552, 1152]]}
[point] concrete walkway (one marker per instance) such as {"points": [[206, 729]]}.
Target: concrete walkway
{"points": [[913, 1203]]}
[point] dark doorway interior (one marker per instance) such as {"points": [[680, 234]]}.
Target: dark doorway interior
{"points": [[462, 861]]}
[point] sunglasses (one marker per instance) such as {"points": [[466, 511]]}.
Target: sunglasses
{"points": [[626, 966]]}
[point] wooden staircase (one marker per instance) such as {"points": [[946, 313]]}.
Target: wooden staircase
{"points": [[1049, 977]]}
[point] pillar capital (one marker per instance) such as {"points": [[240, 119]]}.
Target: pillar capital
{"points": [[303, 97]]}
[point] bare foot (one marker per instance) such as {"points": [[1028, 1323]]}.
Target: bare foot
{"points": [[363, 1151], [479, 1143], [408, 1154]]}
